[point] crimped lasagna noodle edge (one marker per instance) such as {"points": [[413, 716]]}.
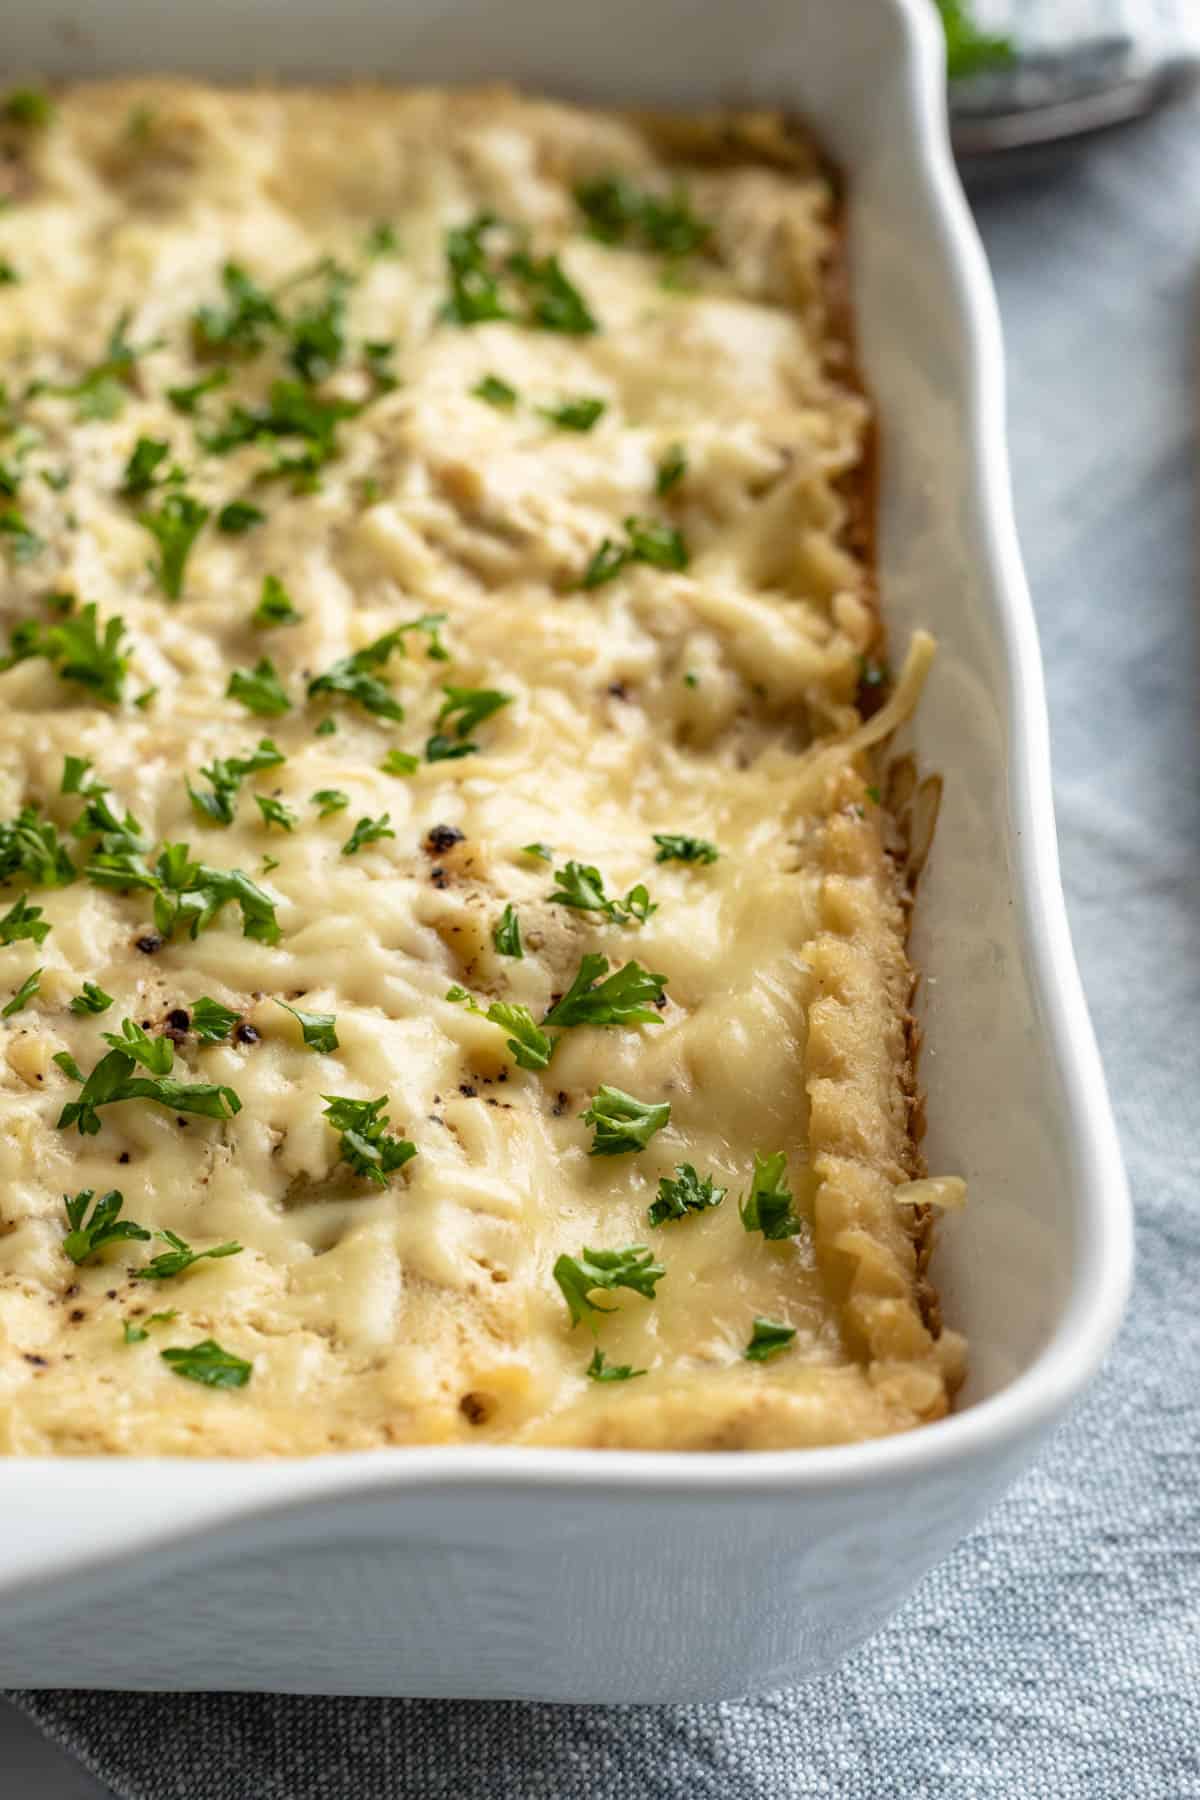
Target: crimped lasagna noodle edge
{"points": [[426, 1312]]}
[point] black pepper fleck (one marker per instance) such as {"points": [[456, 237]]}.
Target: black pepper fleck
{"points": [[245, 1034], [439, 878], [76, 1314], [560, 1105], [441, 838], [39, 1362], [618, 690], [124, 1157], [150, 942], [466, 1090], [179, 1021]]}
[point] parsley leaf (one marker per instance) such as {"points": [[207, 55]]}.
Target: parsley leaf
{"points": [[259, 689], [381, 240], [208, 1364], [113, 1079], [238, 328], [87, 1235], [768, 1205], [212, 1022], [138, 1334], [319, 1030], [367, 831], [31, 847], [400, 762], [474, 285], [552, 300], [622, 1123], [78, 653], [23, 921], [617, 1000], [540, 852], [29, 106], [531, 1047], [93, 999], [274, 605], [23, 995], [496, 393], [274, 812], [968, 49], [238, 516], [619, 213], [195, 893], [600, 1370], [351, 675], [633, 1267], [676, 847], [575, 415], [226, 775], [366, 1146], [467, 707], [179, 1257], [582, 887], [318, 330], [155, 1054], [768, 1339], [506, 933], [184, 399], [330, 800], [175, 527], [22, 543], [141, 471], [671, 470], [687, 1193], [647, 541], [486, 285]]}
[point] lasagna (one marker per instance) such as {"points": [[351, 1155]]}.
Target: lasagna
{"points": [[452, 932]]}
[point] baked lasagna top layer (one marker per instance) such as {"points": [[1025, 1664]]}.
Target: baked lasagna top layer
{"points": [[452, 943]]}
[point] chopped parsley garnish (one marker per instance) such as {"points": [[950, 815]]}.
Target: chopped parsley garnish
{"points": [[367, 831], [57, 480], [619, 213], [319, 1030], [208, 1364], [767, 1339], [633, 1267], [238, 328], [968, 49], [623, 1123], [506, 933], [238, 516], [381, 240], [155, 1054], [226, 775], [179, 1257], [292, 410], [486, 283], [496, 392], [647, 541], [101, 390], [184, 399], [671, 470], [22, 543], [582, 887], [318, 330], [540, 852], [367, 1147], [92, 999], [687, 1193], [531, 1047], [677, 847], [274, 812], [89, 1234], [212, 1022], [768, 1205], [351, 676], [23, 921], [400, 762], [691, 679], [8, 275], [600, 1370], [330, 800], [326, 728], [113, 1079], [175, 527], [259, 689], [28, 106], [193, 894], [618, 999], [466, 707], [23, 995], [274, 605], [78, 653], [138, 1334], [141, 471], [575, 415], [31, 847]]}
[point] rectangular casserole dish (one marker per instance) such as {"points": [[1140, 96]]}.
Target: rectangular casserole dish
{"points": [[575, 1575]]}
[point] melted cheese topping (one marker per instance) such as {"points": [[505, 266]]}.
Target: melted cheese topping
{"points": [[717, 699]]}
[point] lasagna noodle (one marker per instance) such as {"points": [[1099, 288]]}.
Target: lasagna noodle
{"points": [[718, 699]]}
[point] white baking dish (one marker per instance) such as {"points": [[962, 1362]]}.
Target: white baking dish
{"points": [[634, 1577]]}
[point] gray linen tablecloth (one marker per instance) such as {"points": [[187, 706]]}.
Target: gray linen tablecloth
{"points": [[1057, 1653]]}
